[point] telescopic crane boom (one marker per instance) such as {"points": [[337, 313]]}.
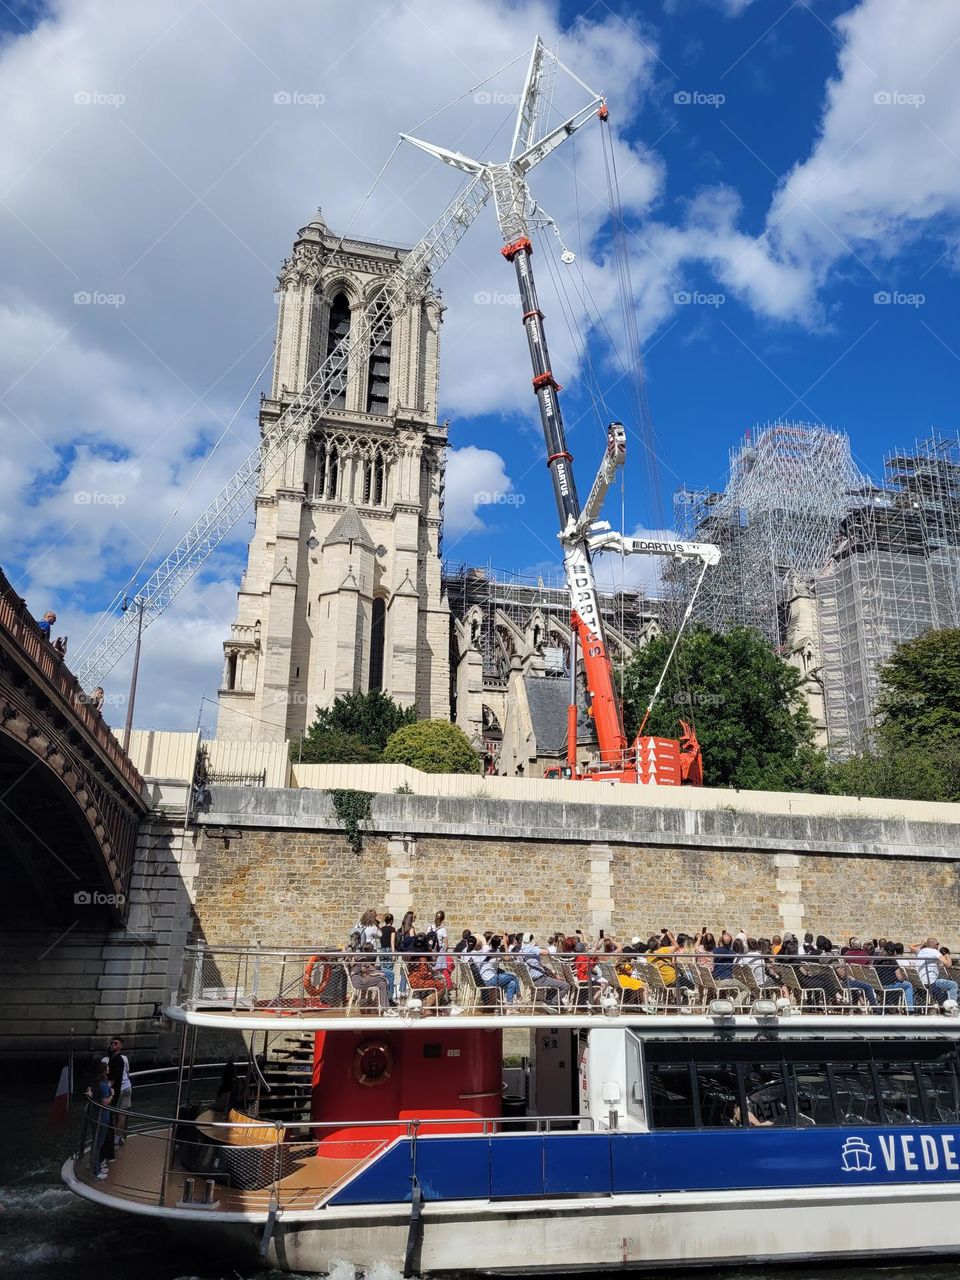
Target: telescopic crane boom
{"points": [[581, 533]]}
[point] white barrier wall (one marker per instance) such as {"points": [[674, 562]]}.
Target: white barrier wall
{"points": [[169, 755]]}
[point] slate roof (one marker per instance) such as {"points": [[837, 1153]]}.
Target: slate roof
{"points": [[547, 698], [349, 528]]}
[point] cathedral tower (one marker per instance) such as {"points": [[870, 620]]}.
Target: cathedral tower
{"points": [[342, 586]]}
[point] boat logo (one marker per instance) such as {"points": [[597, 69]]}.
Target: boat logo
{"points": [[857, 1156]]}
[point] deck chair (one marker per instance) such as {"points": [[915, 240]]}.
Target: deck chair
{"points": [[362, 997]]}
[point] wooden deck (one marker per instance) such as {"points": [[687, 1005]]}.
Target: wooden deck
{"points": [[137, 1175]]}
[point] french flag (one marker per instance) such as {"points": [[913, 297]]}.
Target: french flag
{"points": [[61, 1101]]}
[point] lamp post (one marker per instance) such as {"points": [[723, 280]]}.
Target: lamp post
{"points": [[132, 697]]}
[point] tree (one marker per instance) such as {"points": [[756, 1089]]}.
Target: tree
{"points": [[916, 752], [900, 773], [919, 701], [368, 719], [746, 703], [434, 746], [333, 747]]}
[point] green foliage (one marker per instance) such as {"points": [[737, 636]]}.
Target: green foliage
{"points": [[433, 746], [352, 722], [746, 703], [352, 808], [334, 747], [900, 773], [404, 789], [916, 755], [919, 702]]}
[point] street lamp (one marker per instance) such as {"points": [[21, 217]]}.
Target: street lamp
{"points": [[132, 697]]}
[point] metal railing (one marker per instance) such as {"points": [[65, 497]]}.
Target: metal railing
{"points": [[202, 1164], [21, 627], [326, 980]]}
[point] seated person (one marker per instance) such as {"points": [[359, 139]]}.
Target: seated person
{"points": [[423, 980], [366, 974]]}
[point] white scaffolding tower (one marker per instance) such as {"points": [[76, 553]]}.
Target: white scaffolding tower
{"points": [[775, 522]]}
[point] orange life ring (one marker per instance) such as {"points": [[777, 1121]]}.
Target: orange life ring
{"points": [[372, 1063], [326, 972]]}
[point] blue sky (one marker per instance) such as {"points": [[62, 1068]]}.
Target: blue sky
{"points": [[781, 164]]}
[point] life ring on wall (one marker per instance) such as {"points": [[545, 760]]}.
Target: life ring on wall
{"points": [[326, 973], [372, 1063]]}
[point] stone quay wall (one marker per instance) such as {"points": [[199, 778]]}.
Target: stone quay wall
{"points": [[275, 868]]}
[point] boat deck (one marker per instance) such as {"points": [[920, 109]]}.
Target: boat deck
{"points": [[137, 1175]]}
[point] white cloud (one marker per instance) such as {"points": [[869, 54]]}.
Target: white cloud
{"points": [[150, 169], [476, 484], [884, 166]]}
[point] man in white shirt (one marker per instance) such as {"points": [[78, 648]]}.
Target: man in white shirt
{"points": [[531, 954], [928, 967]]}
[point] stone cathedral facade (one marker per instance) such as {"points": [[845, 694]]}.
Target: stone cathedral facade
{"points": [[342, 587]]}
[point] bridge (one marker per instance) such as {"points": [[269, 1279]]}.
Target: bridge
{"points": [[71, 800]]}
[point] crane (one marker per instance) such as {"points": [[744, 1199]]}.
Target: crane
{"points": [[581, 534]]}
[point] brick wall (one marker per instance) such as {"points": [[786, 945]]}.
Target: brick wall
{"points": [[300, 888], [905, 900]]}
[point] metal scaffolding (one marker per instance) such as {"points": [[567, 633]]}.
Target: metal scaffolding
{"points": [[894, 573], [627, 616], [882, 560], [776, 521]]}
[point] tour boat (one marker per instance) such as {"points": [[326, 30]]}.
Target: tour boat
{"points": [[675, 1132]]}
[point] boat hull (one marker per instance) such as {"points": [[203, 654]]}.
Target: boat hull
{"points": [[635, 1233]]}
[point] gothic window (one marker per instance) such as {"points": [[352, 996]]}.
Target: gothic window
{"points": [[326, 472], [338, 329], [232, 671], [374, 480], [378, 372], [379, 480], [378, 630]]}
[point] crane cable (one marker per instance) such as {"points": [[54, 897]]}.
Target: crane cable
{"points": [[673, 648]]}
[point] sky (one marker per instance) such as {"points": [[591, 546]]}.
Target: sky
{"points": [[788, 179]]}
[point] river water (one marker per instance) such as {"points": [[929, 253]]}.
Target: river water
{"points": [[47, 1233]]}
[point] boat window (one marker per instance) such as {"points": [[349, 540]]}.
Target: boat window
{"points": [[671, 1096], [766, 1095], [900, 1093], [855, 1092], [719, 1094], [700, 1083], [941, 1091], [634, 1078], [811, 1085]]}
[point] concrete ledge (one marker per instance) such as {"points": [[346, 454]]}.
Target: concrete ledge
{"points": [[511, 820]]}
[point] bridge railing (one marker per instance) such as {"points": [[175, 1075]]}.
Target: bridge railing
{"points": [[17, 623]]}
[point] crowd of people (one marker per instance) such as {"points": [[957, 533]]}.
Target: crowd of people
{"points": [[391, 961]]}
